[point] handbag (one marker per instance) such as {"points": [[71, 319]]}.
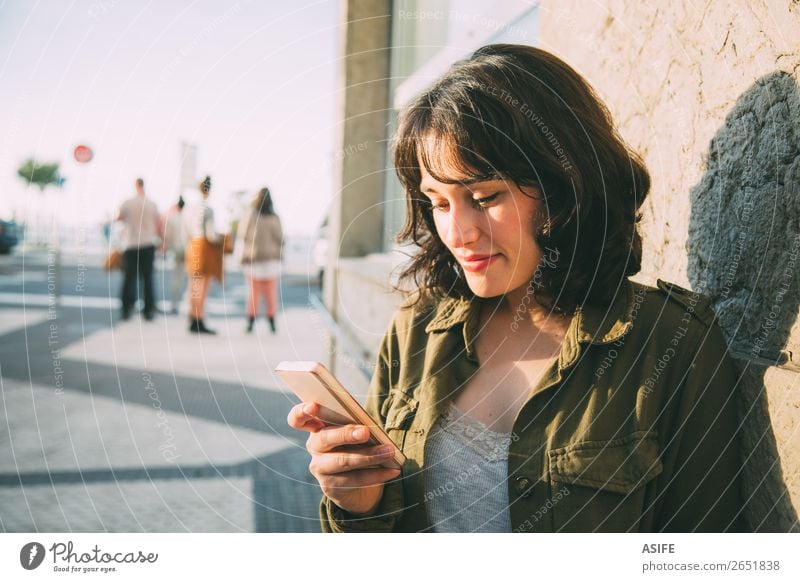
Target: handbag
{"points": [[204, 258], [227, 244], [113, 261]]}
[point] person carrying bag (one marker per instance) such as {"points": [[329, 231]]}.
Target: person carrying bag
{"points": [[204, 250]]}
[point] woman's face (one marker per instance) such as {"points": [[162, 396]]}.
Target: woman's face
{"points": [[488, 226]]}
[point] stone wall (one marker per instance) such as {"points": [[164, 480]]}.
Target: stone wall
{"points": [[707, 93]]}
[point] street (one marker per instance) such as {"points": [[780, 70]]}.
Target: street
{"points": [[140, 426]]}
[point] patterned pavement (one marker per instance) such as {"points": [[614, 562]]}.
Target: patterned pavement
{"points": [[141, 427]]}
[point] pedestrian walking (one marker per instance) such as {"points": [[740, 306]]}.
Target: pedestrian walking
{"points": [[142, 233], [261, 243]]}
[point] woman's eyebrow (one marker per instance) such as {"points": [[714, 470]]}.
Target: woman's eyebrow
{"points": [[467, 182]]}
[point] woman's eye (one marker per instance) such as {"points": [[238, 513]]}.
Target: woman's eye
{"points": [[441, 206], [486, 200]]}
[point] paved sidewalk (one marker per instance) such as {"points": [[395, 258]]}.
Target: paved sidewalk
{"points": [[93, 464], [234, 356], [141, 426]]}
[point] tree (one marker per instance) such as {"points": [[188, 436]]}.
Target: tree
{"points": [[40, 175]]}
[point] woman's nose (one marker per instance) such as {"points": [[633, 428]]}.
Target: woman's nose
{"points": [[463, 228]]}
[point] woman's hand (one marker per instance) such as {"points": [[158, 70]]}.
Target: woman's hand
{"points": [[341, 461]]}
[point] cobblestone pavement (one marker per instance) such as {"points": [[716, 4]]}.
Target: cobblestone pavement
{"points": [[140, 426]]}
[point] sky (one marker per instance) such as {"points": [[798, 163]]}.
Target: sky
{"points": [[252, 84]]}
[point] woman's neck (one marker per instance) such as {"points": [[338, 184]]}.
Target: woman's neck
{"points": [[525, 313]]}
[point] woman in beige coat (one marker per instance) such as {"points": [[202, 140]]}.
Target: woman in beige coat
{"points": [[261, 239]]}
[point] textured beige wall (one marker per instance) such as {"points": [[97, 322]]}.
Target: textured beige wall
{"points": [[670, 76], [675, 78]]}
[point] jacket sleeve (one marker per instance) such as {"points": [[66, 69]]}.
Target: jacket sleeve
{"points": [[239, 246], [244, 225], [277, 232], [333, 518], [703, 490]]}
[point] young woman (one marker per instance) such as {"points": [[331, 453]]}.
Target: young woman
{"points": [[203, 256], [531, 385], [261, 241]]}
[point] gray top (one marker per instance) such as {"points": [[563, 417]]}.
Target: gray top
{"points": [[466, 476]]}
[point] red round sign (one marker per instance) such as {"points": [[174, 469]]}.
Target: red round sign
{"points": [[83, 154]]}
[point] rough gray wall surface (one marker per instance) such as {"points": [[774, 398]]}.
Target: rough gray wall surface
{"points": [[707, 92], [744, 227], [744, 251]]}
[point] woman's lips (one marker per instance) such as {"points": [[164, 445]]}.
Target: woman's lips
{"points": [[478, 264]]}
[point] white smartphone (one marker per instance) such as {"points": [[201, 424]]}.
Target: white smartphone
{"points": [[313, 382]]}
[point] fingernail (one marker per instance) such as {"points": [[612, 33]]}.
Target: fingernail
{"points": [[359, 433], [386, 450], [307, 409]]}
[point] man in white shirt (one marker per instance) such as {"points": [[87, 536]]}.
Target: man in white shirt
{"points": [[143, 231]]}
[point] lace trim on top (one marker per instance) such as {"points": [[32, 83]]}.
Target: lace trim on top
{"points": [[491, 445]]}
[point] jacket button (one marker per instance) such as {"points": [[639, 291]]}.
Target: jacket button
{"points": [[524, 486]]}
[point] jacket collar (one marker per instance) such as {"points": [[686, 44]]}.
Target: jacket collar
{"points": [[590, 325]]}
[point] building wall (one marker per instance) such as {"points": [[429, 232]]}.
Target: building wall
{"points": [[356, 226], [363, 92], [708, 94]]}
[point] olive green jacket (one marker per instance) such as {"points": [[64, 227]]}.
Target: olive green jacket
{"points": [[633, 428]]}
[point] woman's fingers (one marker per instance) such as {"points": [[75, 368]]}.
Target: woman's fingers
{"points": [[335, 485], [303, 417], [331, 437], [346, 469], [350, 461]]}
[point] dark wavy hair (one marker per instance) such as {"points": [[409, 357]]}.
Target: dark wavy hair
{"points": [[518, 113], [263, 202], [205, 185]]}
